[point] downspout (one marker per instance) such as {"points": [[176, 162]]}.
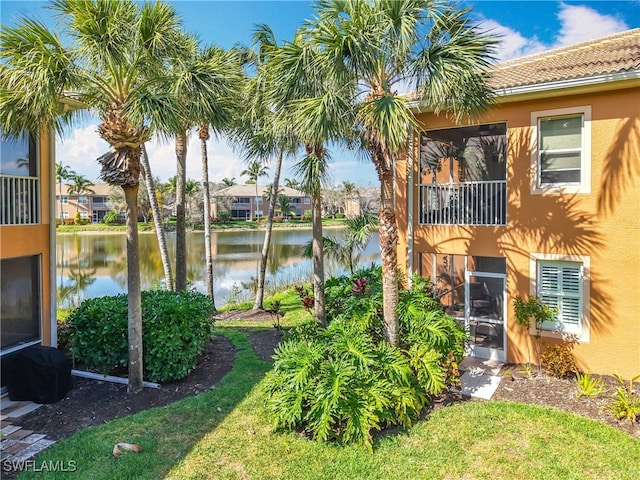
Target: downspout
{"points": [[53, 287], [410, 201]]}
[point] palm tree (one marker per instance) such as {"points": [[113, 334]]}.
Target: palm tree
{"points": [[116, 63], [318, 109], [63, 173], [349, 190], [292, 183], [346, 251], [79, 185], [157, 218], [285, 206], [191, 189], [229, 182], [427, 45], [207, 84], [262, 137], [254, 171]]}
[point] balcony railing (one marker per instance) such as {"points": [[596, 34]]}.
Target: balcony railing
{"points": [[19, 200], [245, 205], [464, 203]]}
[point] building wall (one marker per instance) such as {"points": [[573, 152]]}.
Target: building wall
{"points": [[29, 240], [602, 225]]}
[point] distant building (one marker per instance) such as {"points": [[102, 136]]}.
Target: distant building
{"points": [[90, 206], [241, 201]]}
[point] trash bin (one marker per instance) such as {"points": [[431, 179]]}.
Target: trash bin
{"points": [[39, 374]]}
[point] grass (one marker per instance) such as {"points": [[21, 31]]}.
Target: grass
{"points": [[224, 434], [294, 314]]}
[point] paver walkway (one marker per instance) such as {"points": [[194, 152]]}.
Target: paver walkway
{"points": [[17, 444]]}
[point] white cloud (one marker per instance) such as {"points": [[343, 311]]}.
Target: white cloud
{"points": [[581, 23], [512, 44], [578, 23], [81, 148], [80, 151]]}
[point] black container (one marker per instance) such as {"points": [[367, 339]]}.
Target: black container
{"points": [[39, 374]]}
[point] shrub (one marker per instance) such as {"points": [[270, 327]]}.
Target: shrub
{"points": [[558, 359], [64, 336], [111, 217], [175, 326], [588, 386], [224, 216], [343, 381], [624, 405]]}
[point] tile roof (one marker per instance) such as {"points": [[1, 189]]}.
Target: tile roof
{"points": [[614, 54]]}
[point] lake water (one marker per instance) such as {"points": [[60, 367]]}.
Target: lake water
{"points": [[92, 265]]}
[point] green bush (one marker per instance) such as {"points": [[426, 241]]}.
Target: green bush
{"points": [[344, 381], [175, 325]]}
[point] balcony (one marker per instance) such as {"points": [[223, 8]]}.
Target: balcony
{"points": [[464, 203], [20, 202]]}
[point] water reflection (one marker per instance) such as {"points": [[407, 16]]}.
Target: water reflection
{"points": [[92, 265]]}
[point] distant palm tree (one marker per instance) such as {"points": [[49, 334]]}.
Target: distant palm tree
{"points": [[346, 251], [285, 206], [63, 173], [292, 183], [80, 185], [229, 182], [254, 171]]}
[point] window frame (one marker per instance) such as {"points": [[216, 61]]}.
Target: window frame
{"points": [[584, 185], [557, 329], [83, 200], [64, 199]]}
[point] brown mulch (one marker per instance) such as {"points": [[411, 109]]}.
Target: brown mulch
{"points": [[92, 402]]}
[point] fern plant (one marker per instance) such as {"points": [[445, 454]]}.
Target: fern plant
{"points": [[625, 406], [588, 386]]}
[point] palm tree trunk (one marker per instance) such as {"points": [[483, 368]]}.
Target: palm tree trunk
{"points": [[157, 219], [181, 240], [207, 220], [60, 184], [389, 256], [318, 261], [258, 304], [133, 289]]}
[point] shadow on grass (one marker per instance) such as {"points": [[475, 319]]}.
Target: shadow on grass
{"points": [[166, 434]]}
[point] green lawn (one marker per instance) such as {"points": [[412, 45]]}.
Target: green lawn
{"points": [[224, 434]]}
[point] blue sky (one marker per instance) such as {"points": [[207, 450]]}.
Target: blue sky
{"points": [[525, 26]]}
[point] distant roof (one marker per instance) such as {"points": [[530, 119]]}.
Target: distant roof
{"points": [[100, 189], [249, 190], [612, 55]]}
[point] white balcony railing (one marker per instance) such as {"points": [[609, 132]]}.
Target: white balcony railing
{"points": [[19, 200], [464, 203]]}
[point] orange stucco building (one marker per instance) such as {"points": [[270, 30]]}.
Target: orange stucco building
{"points": [[27, 240], [540, 196]]}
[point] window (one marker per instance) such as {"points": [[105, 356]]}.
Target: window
{"points": [[64, 199], [562, 282], [562, 150], [258, 200], [84, 214], [65, 214], [18, 156], [83, 200], [307, 201], [20, 307]]}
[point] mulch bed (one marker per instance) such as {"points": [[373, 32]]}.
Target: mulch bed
{"points": [[92, 402]]}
